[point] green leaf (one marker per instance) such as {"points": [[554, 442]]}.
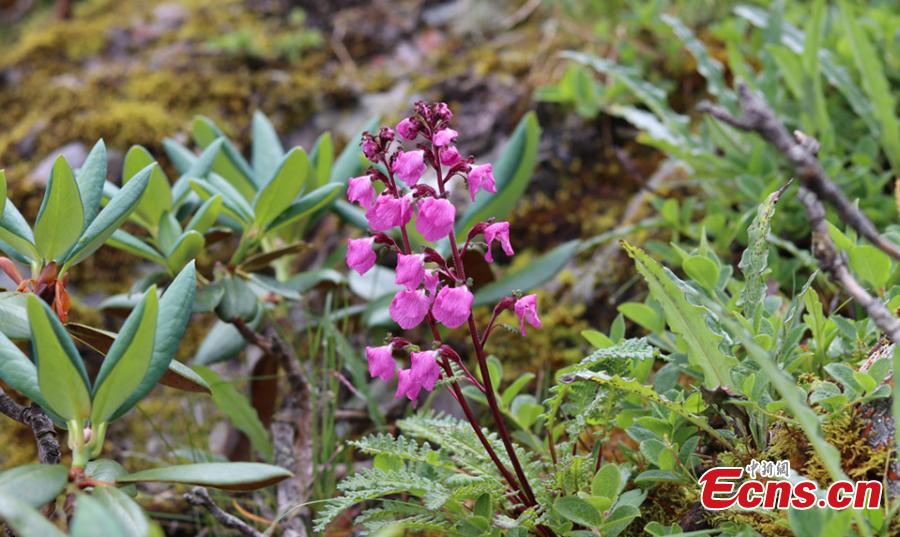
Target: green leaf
{"points": [[578, 511], [34, 484], [61, 375], [284, 186], [182, 377], [13, 315], [707, 66], [597, 339], [128, 515], [642, 315], [128, 359], [15, 232], [229, 163], [307, 205], [238, 302], [686, 320], [870, 264], [188, 247], [267, 148], [205, 217], [92, 519], [233, 205], [60, 219], [512, 173], [90, 178], [175, 309], [541, 270], [607, 482], [110, 218], [122, 240], [157, 199], [24, 520], [754, 262], [239, 410], [17, 371], [221, 475], [322, 158], [3, 191], [702, 270], [223, 342]]}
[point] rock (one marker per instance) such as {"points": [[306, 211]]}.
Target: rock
{"points": [[74, 153]]}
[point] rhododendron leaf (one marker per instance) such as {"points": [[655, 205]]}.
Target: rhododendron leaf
{"points": [[267, 149], [128, 359], [91, 179], [280, 191], [512, 172], [221, 475], [13, 315], [179, 155], [34, 484], [186, 249], [322, 158], [60, 219], [3, 185], [240, 412], [223, 342], [110, 218], [175, 308], [229, 163], [93, 518], [61, 376], [205, 216], [532, 275], [307, 205], [233, 205], [182, 377], [24, 519], [15, 233], [127, 242], [126, 512], [157, 199], [18, 372]]}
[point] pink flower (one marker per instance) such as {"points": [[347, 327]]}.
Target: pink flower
{"points": [[410, 270], [409, 166], [450, 156], [408, 129], [370, 149], [498, 231], [435, 220], [409, 308], [442, 111], [388, 212], [431, 281], [425, 368], [381, 362], [360, 255], [453, 306], [407, 385], [482, 177], [360, 190], [444, 137], [526, 309]]}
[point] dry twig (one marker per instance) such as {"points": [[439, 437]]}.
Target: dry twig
{"points": [[34, 417], [199, 497]]}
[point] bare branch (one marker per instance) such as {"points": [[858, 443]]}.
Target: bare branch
{"points": [[34, 417], [199, 497], [758, 117]]}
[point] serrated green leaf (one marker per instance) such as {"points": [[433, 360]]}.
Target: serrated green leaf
{"points": [[61, 376], [60, 219], [284, 186], [128, 359], [754, 262], [238, 409], [222, 475]]}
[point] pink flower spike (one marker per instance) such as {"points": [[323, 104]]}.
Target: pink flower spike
{"points": [[381, 362], [360, 190], [360, 255], [453, 306], [410, 270], [431, 281], [450, 156], [407, 129], [526, 309], [482, 177], [409, 308], [409, 166], [436, 217], [425, 368], [444, 137], [388, 212], [498, 231], [407, 385]]}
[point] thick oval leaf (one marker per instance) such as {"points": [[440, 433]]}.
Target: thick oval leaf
{"points": [[284, 186], [15, 232], [229, 163], [534, 274], [19, 373], [34, 484], [60, 219], [307, 205], [322, 158], [61, 376], [267, 148], [233, 204], [239, 300], [122, 240], [157, 199], [578, 511], [182, 377], [188, 247], [175, 308], [239, 411], [110, 218], [92, 518], [223, 342], [91, 179], [14, 316], [25, 520], [512, 172], [206, 215], [221, 475], [128, 515], [128, 359]]}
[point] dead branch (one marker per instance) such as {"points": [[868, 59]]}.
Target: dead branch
{"points": [[199, 497], [758, 117], [34, 417]]}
